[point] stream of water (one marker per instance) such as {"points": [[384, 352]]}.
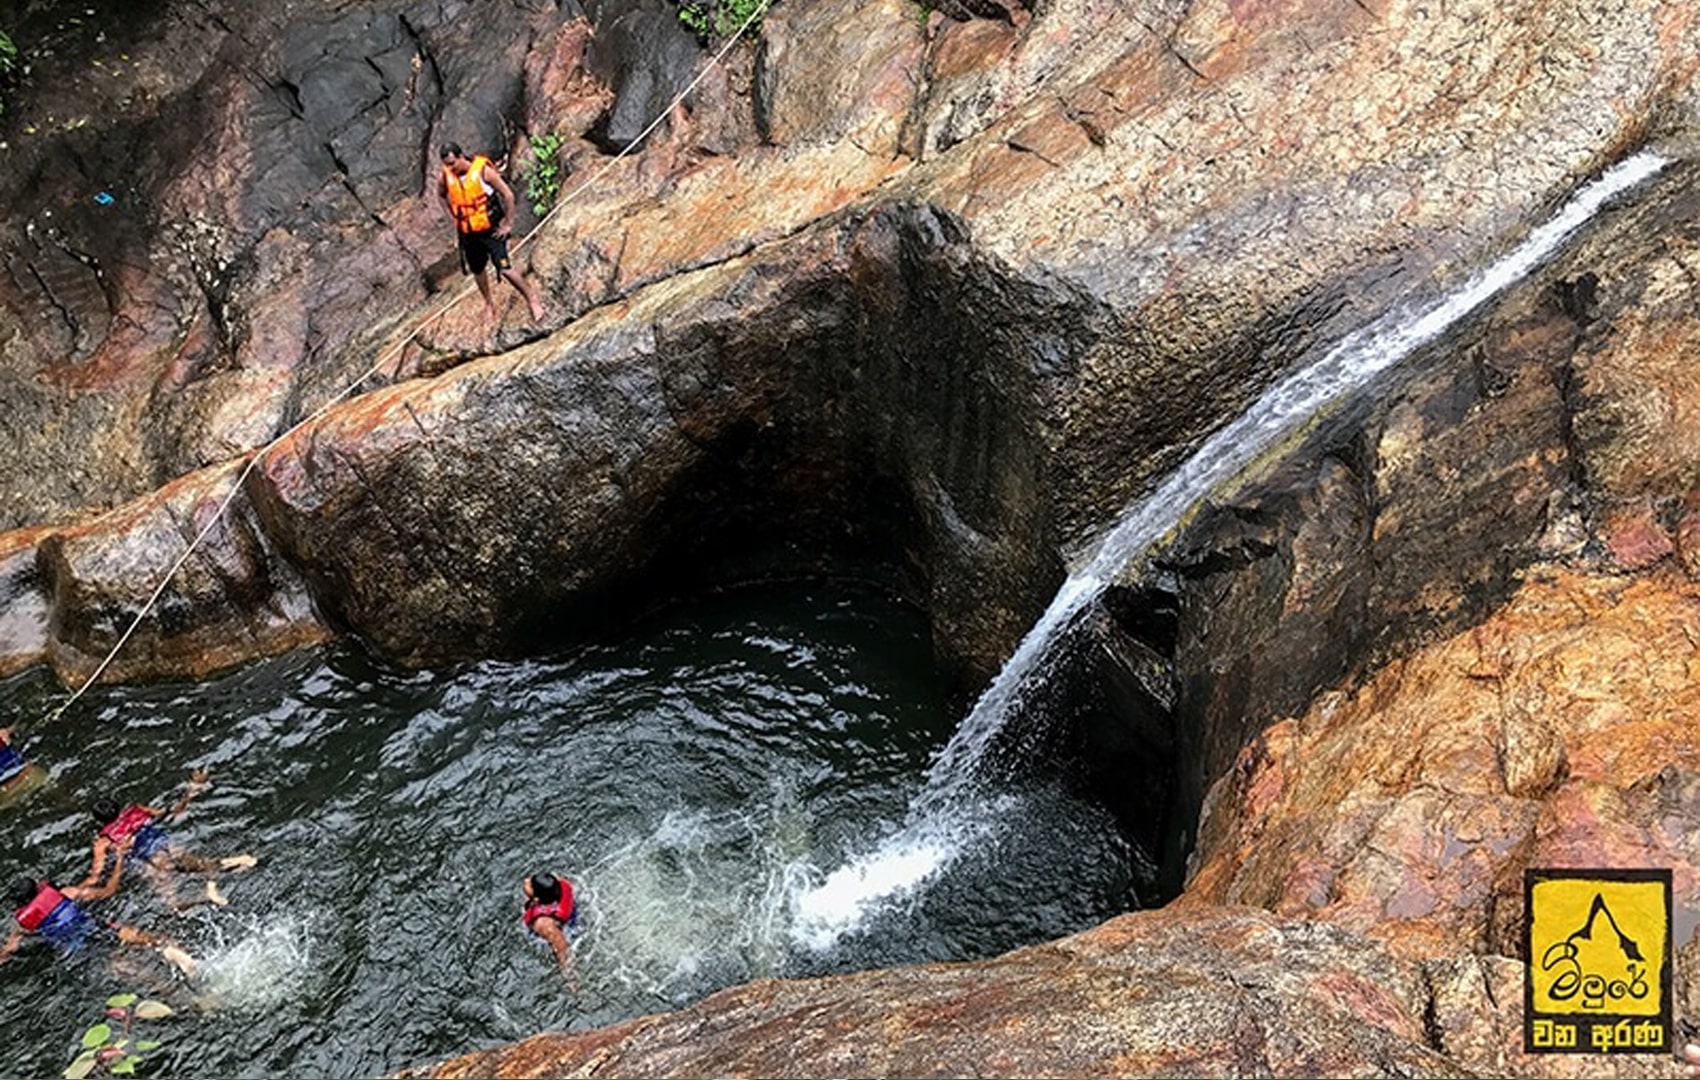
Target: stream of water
{"points": [[953, 814], [692, 779]]}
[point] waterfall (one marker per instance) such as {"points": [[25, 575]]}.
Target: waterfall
{"points": [[949, 812]]}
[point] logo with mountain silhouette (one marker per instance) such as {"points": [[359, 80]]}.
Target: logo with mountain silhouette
{"points": [[1598, 980]]}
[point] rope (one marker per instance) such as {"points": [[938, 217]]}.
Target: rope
{"points": [[255, 456]]}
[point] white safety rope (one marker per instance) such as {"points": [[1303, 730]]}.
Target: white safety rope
{"points": [[254, 456]]}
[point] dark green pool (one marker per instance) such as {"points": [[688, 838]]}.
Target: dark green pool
{"points": [[691, 778]]}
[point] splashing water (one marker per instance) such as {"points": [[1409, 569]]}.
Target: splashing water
{"points": [[701, 900], [938, 829], [691, 778], [264, 965]]}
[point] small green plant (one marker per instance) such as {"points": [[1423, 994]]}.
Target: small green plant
{"points": [[733, 14], [8, 60], [543, 179], [113, 1051], [695, 18], [723, 17]]}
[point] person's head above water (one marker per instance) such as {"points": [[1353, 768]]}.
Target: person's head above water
{"points": [[23, 891], [543, 888], [105, 811]]}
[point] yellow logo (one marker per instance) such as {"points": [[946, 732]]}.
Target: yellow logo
{"points": [[1598, 980]]}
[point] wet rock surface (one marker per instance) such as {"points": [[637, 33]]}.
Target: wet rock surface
{"points": [[1229, 992]]}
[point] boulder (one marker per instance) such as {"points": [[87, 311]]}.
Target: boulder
{"points": [[1222, 993]]}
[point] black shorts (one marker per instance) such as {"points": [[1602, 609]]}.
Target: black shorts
{"points": [[483, 248]]}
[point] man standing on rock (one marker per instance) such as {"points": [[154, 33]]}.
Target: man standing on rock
{"points": [[466, 190]]}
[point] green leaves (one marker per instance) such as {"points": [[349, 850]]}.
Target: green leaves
{"points": [[543, 180], [733, 14], [111, 1052], [723, 17], [8, 60]]}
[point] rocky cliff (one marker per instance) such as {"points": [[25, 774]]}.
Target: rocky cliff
{"points": [[936, 293]]}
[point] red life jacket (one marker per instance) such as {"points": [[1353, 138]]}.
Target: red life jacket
{"points": [[34, 913], [561, 910], [468, 197], [131, 821]]}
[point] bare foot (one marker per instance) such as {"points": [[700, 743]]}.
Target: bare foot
{"points": [[536, 312], [491, 313], [237, 862], [214, 896], [182, 960]]}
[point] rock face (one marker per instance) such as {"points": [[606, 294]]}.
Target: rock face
{"points": [[1413, 515], [1042, 246], [933, 298], [1157, 994]]}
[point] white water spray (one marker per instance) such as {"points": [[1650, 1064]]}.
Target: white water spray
{"points": [[263, 965], [936, 832], [700, 900]]}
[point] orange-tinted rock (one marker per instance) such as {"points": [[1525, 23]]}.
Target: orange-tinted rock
{"points": [[1547, 736], [1212, 993], [1688, 534], [228, 600]]}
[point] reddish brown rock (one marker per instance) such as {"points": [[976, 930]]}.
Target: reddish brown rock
{"points": [[231, 598], [1211, 993], [1558, 733], [1635, 538]]}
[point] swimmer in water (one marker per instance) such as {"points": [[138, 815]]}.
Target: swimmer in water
{"points": [[18, 775], [550, 912], [140, 829], [59, 917]]}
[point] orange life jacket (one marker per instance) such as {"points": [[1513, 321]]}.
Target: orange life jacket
{"points": [[468, 197]]}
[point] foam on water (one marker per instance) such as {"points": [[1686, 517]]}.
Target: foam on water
{"points": [[263, 964], [934, 835], [703, 897], [850, 893]]}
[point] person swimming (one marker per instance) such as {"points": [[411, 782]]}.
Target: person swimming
{"points": [[140, 829], [18, 775], [551, 912], [59, 917]]}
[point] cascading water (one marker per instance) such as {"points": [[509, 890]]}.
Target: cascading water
{"points": [[950, 813]]}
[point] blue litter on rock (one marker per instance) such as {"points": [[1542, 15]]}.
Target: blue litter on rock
{"points": [[104, 198]]}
